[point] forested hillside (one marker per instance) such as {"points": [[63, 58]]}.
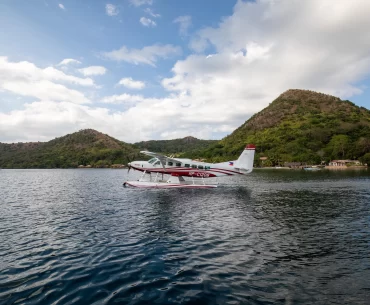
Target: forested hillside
{"points": [[303, 126], [176, 146], [86, 147]]}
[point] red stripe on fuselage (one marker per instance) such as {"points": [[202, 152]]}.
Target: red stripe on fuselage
{"points": [[189, 172]]}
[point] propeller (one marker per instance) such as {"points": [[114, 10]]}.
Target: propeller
{"points": [[129, 159]]}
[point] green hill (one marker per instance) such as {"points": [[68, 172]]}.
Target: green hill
{"points": [[300, 126], [176, 146], [86, 147]]}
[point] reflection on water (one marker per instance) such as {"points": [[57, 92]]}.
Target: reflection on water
{"points": [[279, 237]]}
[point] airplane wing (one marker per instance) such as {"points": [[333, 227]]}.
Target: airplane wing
{"points": [[161, 157]]}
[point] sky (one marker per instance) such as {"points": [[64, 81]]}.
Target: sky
{"points": [[164, 69]]}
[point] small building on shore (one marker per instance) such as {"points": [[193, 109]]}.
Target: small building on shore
{"points": [[343, 163]]}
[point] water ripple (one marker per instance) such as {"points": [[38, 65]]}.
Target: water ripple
{"points": [[78, 237]]}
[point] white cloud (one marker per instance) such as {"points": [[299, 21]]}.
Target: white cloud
{"points": [[26, 79], [141, 2], [275, 45], [128, 82], [68, 61], [147, 22], [263, 49], [147, 118], [93, 70], [147, 55], [111, 10], [149, 11], [61, 6], [44, 90], [29, 124], [185, 23], [122, 99]]}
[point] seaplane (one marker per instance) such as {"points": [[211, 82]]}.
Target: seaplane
{"points": [[178, 168]]}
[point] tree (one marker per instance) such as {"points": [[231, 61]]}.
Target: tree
{"points": [[339, 145], [363, 145], [365, 159]]}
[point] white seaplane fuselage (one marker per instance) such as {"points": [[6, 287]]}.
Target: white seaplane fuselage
{"points": [[186, 168], [180, 167]]}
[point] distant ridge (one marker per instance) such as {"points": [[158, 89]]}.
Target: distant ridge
{"points": [[88, 147], [85, 147], [302, 126], [176, 146]]}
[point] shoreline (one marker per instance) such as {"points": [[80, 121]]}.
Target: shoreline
{"points": [[326, 167]]}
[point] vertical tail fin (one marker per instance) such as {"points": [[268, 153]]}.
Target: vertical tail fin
{"points": [[245, 160]]}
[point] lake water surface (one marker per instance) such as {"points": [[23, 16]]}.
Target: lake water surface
{"points": [[273, 237]]}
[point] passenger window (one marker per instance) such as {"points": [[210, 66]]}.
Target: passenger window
{"points": [[170, 163], [187, 165], [200, 166], [178, 164], [194, 166], [207, 167]]}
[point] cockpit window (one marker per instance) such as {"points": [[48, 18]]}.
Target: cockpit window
{"points": [[156, 163], [152, 160]]}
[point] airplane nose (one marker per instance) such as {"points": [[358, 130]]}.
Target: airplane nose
{"points": [[129, 164]]}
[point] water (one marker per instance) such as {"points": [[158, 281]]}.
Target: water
{"points": [[274, 237]]}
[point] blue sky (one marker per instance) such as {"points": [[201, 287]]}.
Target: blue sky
{"points": [[43, 33], [159, 69]]}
